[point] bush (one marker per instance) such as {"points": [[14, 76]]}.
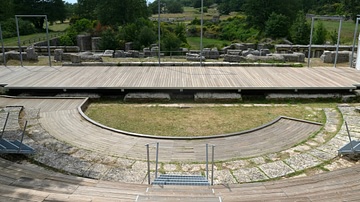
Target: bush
{"points": [[108, 41], [9, 28], [66, 40], [300, 30], [320, 34], [277, 26]]}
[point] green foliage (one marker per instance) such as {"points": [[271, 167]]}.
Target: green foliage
{"points": [[236, 29], [170, 42], [300, 30], [277, 26], [174, 7], [9, 28], [82, 25], [54, 9], [109, 41], [66, 40], [141, 33], [320, 34], [333, 36], [115, 13], [259, 11], [146, 37], [225, 7]]}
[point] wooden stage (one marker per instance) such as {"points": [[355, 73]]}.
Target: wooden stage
{"points": [[179, 78]]}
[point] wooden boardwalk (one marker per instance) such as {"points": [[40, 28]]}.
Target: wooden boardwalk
{"points": [[61, 119], [181, 77], [30, 183]]}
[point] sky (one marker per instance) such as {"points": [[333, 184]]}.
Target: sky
{"points": [[75, 1]]}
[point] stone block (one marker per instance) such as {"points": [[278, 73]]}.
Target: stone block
{"points": [[268, 58], [194, 57], [147, 97], [75, 58], [211, 53], [84, 42], [31, 54], [58, 53], [108, 53], [217, 97], [329, 56], [95, 43], [119, 54], [234, 58]]}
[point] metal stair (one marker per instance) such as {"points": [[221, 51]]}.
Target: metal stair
{"points": [[186, 180]]}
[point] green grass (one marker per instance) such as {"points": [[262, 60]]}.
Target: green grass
{"points": [[347, 31], [54, 30], [198, 120], [194, 42]]}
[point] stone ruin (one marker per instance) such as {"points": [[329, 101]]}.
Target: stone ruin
{"points": [[29, 55], [211, 53], [194, 57], [329, 56]]}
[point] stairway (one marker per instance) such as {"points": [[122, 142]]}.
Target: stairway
{"points": [[188, 180]]}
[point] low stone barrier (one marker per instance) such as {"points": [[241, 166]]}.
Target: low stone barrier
{"points": [[147, 97], [217, 97]]}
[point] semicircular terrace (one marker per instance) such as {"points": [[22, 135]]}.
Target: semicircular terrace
{"points": [[63, 119]]}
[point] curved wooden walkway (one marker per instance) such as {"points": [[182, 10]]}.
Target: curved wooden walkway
{"points": [[61, 118], [30, 183]]}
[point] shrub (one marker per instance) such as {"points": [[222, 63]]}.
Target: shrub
{"points": [[277, 26]]}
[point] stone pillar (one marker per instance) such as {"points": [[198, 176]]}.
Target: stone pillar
{"points": [[58, 53], [31, 54], [95, 43], [84, 42]]}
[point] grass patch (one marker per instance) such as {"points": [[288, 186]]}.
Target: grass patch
{"points": [[347, 30], [200, 120], [194, 42], [32, 38]]}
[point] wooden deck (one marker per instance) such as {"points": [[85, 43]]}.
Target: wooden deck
{"points": [[61, 119], [181, 77]]}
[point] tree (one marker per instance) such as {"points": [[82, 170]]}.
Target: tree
{"points": [[113, 13], [170, 42], [277, 26], [300, 30], [174, 7], [54, 9], [207, 3], [86, 9], [320, 34], [6, 9], [108, 40], [259, 11]]}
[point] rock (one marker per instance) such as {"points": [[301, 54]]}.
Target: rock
{"points": [[234, 58], [194, 57], [31, 54]]}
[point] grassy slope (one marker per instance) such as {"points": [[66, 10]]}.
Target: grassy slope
{"points": [[53, 29]]}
